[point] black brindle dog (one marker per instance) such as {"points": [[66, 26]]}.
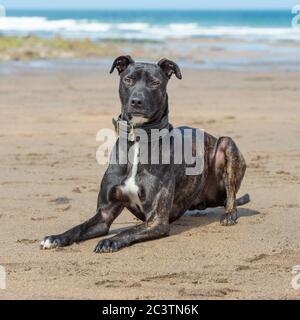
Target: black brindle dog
{"points": [[157, 194]]}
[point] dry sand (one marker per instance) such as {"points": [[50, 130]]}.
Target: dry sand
{"points": [[49, 121]]}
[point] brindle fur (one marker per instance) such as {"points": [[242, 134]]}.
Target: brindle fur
{"points": [[165, 191]]}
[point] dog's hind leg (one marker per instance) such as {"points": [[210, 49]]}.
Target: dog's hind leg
{"points": [[230, 167]]}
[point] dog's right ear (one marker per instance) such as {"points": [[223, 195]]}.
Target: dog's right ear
{"points": [[121, 63]]}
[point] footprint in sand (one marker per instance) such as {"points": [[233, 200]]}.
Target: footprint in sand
{"points": [[283, 172], [242, 268], [257, 257], [61, 200], [27, 241], [43, 219]]}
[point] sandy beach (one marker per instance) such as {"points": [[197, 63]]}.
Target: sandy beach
{"points": [[50, 178]]}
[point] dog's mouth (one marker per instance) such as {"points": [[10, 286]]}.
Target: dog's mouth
{"points": [[137, 114], [137, 118]]}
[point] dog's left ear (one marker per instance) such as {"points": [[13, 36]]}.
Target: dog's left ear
{"points": [[121, 63], [169, 67]]}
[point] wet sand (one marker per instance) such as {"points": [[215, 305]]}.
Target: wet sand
{"points": [[198, 53], [50, 178]]}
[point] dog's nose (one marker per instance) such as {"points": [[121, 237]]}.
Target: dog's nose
{"points": [[136, 102]]}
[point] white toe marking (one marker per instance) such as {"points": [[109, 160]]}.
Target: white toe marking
{"points": [[46, 244]]}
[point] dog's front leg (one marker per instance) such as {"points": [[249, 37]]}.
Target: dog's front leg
{"points": [[156, 225], [97, 226], [142, 232]]}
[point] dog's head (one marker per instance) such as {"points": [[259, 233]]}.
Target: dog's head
{"points": [[143, 87]]}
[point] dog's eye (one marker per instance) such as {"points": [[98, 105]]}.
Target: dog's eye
{"points": [[155, 83], [128, 81]]}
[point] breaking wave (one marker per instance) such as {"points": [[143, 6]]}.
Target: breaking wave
{"points": [[84, 28]]}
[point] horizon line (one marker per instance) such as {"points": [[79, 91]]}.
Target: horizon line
{"points": [[145, 9]]}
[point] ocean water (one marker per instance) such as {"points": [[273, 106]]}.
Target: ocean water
{"points": [[157, 25]]}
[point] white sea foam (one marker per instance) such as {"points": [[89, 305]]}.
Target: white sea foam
{"points": [[137, 30]]}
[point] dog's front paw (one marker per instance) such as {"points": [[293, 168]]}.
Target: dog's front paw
{"points": [[108, 245], [228, 219], [50, 242]]}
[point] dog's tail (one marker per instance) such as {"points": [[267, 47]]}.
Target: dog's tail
{"points": [[242, 200]]}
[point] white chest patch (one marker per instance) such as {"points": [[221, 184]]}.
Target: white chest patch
{"points": [[130, 188]]}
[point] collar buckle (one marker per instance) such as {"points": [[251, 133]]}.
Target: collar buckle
{"points": [[117, 127], [132, 134], [129, 128]]}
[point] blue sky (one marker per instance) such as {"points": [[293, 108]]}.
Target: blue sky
{"points": [[140, 4]]}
